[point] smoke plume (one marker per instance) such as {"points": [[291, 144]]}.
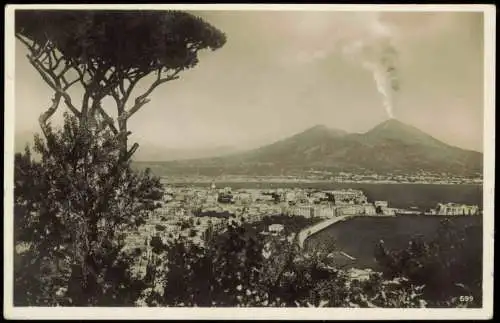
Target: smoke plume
{"points": [[375, 51], [383, 65], [384, 74], [364, 38], [382, 86]]}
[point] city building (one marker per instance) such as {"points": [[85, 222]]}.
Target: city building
{"points": [[225, 197], [351, 209], [243, 198], [381, 204], [276, 228], [348, 196], [167, 197], [456, 209], [302, 210], [319, 196], [370, 209], [180, 212], [289, 197], [324, 211]]}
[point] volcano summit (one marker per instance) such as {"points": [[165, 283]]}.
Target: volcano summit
{"points": [[391, 146]]}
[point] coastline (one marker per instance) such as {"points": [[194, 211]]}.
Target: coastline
{"points": [[308, 232], [263, 181], [312, 230]]}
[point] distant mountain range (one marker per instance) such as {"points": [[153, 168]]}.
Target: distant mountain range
{"points": [[153, 153], [391, 146], [146, 152]]}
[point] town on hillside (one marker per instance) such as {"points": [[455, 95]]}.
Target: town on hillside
{"points": [[199, 213]]}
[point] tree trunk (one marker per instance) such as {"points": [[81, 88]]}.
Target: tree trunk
{"points": [[122, 124]]}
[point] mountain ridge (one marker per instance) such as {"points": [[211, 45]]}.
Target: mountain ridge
{"points": [[389, 146]]}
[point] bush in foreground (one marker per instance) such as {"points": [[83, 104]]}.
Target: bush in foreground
{"points": [[72, 209], [238, 270], [449, 265]]}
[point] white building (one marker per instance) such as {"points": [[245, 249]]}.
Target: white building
{"points": [[456, 209], [180, 212], [276, 228], [324, 211], [290, 196], [348, 196], [370, 209], [319, 195], [167, 197], [381, 204], [351, 209], [243, 198], [305, 211], [211, 197], [169, 190]]}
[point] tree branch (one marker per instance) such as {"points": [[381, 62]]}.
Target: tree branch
{"points": [[132, 150], [50, 112], [121, 85], [107, 119], [85, 104], [81, 75], [126, 94], [56, 60], [141, 100], [64, 70], [40, 51], [102, 91], [46, 57], [116, 96], [54, 85], [68, 85], [30, 47], [133, 83]]}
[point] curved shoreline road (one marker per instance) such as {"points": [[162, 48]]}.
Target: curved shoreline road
{"points": [[307, 232]]}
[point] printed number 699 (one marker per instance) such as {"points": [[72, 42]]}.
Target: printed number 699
{"points": [[466, 298]]}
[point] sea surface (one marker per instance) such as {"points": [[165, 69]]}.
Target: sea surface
{"points": [[359, 236]]}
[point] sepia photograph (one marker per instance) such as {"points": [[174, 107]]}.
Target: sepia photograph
{"points": [[249, 161]]}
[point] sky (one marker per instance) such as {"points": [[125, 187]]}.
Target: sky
{"points": [[282, 72]]}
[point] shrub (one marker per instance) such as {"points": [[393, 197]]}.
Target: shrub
{"points": [[238, 270], [449, 265], [74, 211]]}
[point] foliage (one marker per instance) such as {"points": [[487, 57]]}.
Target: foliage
{"points": [[306, 279], [74, 226], [73, 208], [217, 275], [106, 54], [128, 39], [449, 265], [237, 269]]}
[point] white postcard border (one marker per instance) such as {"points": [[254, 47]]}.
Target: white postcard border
{"points": [[486, 312]]}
